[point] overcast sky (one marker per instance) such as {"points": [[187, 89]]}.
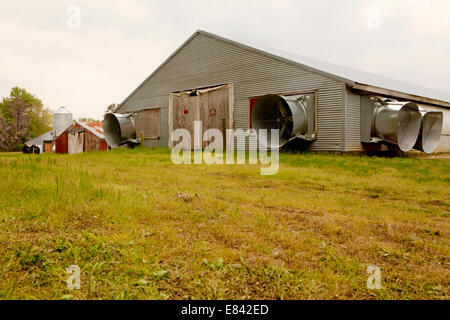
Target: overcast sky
{"points": [[88, 63]]}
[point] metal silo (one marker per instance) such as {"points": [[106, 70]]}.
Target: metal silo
{"points": [[62, 119]]}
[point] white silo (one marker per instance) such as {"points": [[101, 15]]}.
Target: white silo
{"points": [[62, 119]]}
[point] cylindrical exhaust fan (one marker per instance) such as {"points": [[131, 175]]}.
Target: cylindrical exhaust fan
{"points": [[430, 131], [397, 122], [119, 129], [287, 114]]}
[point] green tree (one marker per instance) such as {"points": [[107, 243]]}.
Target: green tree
{"points": [[22, 117]]}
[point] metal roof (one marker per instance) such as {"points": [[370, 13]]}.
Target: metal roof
{"points": [[94, 127], [48, 136], [351, 77]]}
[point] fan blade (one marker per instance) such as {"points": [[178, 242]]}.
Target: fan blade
{"points": [[283, 110], [283, 128]]}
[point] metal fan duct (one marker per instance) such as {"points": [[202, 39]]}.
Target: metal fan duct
{"points": [[430, 131], [118, 129], [287, 114], [397, 122]]}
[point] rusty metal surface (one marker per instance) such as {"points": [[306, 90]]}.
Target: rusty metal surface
{"points": [[92, 141]]}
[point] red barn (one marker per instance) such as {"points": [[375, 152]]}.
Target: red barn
{"points": [[81, 137]]}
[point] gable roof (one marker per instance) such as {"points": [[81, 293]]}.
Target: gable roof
{"points": [[353, 78]]}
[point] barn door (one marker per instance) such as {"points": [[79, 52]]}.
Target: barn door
{"points": [[213, 106], [48, 146], [184, 109], [215, 109], [148, 123], [75, 142]]}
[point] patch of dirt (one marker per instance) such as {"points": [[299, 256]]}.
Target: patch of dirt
{"points": [[435, 156]]}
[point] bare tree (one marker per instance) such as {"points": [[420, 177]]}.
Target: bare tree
{"points": [[111, 108], [7, 134]]}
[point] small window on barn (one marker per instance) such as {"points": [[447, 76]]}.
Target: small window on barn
{"points": [[148, 122]]}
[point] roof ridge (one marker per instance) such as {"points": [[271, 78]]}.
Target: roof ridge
{"points": [[373, 80]]}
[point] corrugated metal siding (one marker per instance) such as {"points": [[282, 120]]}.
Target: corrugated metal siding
{"points": [[206, 61], [366, 115], [91, 142], [353, 122]]}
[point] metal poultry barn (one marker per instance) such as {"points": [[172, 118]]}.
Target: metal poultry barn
{"points": [[233, 85]]}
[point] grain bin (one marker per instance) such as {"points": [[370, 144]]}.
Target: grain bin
{"points": [[62, 119]]}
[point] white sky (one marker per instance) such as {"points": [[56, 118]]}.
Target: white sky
{"points": [[120, 43]]}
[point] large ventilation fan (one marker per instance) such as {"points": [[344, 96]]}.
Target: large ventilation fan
{"points": [[404, 124], [430, 131], [286, 114], [119, 129], [397, 123]]}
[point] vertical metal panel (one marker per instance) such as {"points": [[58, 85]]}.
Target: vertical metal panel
{"points": [[367, 109], [353, 122], [207, 61], [103, 145], [61, 143], [92, 142], [444, 144], [148, 121], [48, 146], [75, 142]]}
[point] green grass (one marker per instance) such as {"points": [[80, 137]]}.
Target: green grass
{"points": [[140, 227]]}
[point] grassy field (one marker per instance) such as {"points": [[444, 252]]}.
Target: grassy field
{"points": [[140, 227]]}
